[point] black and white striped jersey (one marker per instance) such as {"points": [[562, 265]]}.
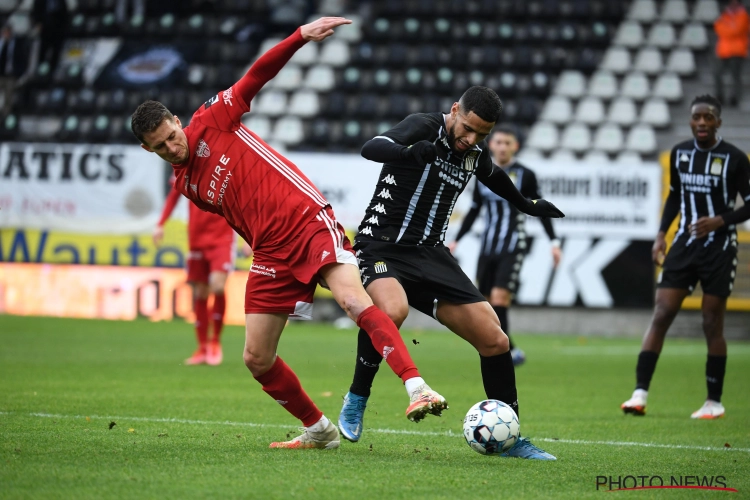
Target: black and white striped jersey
{"points": [[707, 182], [412, 205], [505, 225]]}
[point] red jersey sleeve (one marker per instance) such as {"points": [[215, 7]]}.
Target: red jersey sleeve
{"points": [[224, 110], [172, 198]]}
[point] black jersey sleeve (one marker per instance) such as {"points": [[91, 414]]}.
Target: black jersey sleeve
{"points": [[393, 145], [672, 205], [530, 189], [743, 187], [502, 185], [471, 215]]}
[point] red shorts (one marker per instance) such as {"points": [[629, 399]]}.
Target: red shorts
{"points": [[286, 285], [203, 261]]}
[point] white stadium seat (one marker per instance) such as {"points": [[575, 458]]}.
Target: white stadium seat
{"points": [[706, 11], [635, 86], [694, 36], [289, 78], [334, 52], [661, 36], [543, 136], [674, 11], [655, 112], [603, 84], [348, 32], [258, 124], [609, 138], [288, 130], [571, 84], [576, 137], [320, 78], [643, 10], [641, 139], [563, 156], [629, 158], [622, 111], [681, 61], [530, 155], [629, 34], [668, 86], [271, 103], [616, 60], [649, 61], [590, 110], [306, 55], [595, 157], [557, 109], [304, 103]]}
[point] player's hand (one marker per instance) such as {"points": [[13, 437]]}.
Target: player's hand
{"points": [[322, 28], [544, 208], [158, 235], [452, 246], [556, 256], [423, 152], [659, 250], [246, 250], [704, 225]]}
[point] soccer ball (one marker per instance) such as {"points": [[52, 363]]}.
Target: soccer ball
{"points": [[491, 427]]}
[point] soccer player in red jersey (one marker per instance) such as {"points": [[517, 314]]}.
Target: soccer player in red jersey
{"points": [[224, 168], [210, 258]]}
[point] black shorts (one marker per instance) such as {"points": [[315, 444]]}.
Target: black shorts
{"points": [[428, 274], [714, 266], [499, 271]]}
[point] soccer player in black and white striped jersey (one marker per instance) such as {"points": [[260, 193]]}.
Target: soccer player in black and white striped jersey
{"points": [[706, 174]]}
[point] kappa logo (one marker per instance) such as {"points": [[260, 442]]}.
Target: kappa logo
{"points": [[388, 179], [387, 350], [385, 194], [373, 220], [362, 270], [326, 253], [379, 208], [470, 160], [684, 157], [367, 231], [365, 278], [202, 149], [380, 267]]}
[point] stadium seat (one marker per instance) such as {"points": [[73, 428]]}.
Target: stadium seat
{"points": [[628, 158], [306, 55], [82, 102], [258, 124], [557, 109], [641, 139], [616, 60], [335, 105], [529, 155], [622, 111], [694, 36], [543, 136], [540, 83], [681, 61], [590, 110], [603, 84], [350, 32], [571, 84], [320, 78], [649, 61], [576, 137], [70, 130], [365, 106], [609, 138], [100, 130], [271, 102], [363, 55], [9, 127], [674, 11], [287, 130], [635, 86], [289, 78], [655, 112], [304, 103], [629, 34], [334, 52], [563, 156], [706, 11], [661, 36], [351, 80], [353, 133], [528, 110], [668, 86], [643, 11], [594, 157]]}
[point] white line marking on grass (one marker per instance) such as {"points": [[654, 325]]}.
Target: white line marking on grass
{"points": [[447, 433]]}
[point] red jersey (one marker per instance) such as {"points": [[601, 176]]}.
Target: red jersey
{"points": [[233, 172], [205, 229]]}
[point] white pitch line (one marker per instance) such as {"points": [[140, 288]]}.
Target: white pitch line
{"points": [[447, 433]]}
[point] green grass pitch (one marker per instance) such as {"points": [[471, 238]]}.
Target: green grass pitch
{"points": [[203, 432]]}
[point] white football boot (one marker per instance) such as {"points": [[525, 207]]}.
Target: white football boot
{"points": [[637, 403], [709, 411]]}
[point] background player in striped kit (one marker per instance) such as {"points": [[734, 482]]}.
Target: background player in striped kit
{"points": [[504, 241], [706, 174]]}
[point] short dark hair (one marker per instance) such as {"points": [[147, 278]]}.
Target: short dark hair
{"points": [[507, 130], [147, 118], [707, 99], [483, 101]]}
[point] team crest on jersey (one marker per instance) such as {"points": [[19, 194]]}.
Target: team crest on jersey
{"points": [[380, 267], [212, 101], [470, 160], [717, 165], [202, 150]]}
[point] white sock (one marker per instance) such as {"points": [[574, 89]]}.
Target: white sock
{"points": [[320, 425], [413, 384]]}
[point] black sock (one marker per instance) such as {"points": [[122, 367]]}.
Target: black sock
{"points": [[502, 315], [499, 378], [644, 370], [715, 368], [366, 367]]}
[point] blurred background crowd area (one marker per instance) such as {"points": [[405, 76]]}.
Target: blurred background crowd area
{"points": [[591, 80]]}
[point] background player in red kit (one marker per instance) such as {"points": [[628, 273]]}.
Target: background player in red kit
{"points": [[224, 168], [210, 258]]}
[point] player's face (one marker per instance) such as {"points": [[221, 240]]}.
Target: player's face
{"points": [[504, 147], [467, 129], [168, 141], [704, 122]]}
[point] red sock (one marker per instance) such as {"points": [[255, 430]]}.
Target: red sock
{"points": [[282, 384], [200, 307], [217, 315], [387, 341]]}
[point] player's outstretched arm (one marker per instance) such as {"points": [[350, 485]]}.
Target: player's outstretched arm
{"points": [[500, 184], [172, 198]]}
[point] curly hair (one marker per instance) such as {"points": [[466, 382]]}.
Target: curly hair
{"points": [[483, 101]]}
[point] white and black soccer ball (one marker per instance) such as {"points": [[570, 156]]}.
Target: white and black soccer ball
{"points": [[491, 427]]}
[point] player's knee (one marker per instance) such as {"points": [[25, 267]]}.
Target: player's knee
{"points": [[257, 364], [664, 314], [711, 325], [397, 313], [492, 346], [353, 303]]}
